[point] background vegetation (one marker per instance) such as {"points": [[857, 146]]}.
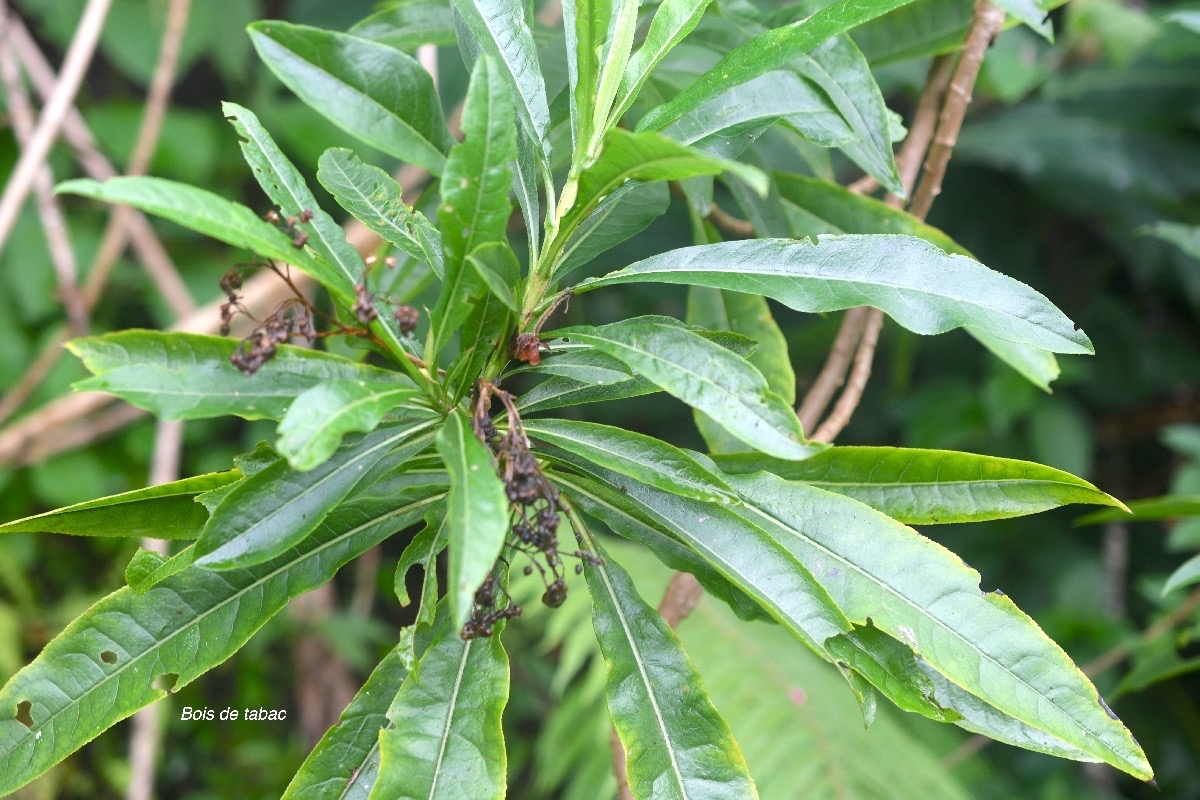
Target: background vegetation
{"points": [[1077, 172]]}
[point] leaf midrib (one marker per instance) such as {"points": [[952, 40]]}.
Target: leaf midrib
{"points": [[452, 707]]}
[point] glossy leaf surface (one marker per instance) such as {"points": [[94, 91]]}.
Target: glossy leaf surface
{"points": [[925, 487], [923, 288], [477, 515], [676, 743], [183, 627], [372, 91], [166, 511]]}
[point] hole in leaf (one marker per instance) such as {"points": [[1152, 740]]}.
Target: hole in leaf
{"points": [[23, 715], [166, 682], [108, 657]]}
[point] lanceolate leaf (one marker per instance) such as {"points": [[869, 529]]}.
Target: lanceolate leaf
{"points": [[345, 763], [586, 25], [1169, 506], [923, 288], [923, 595], [673, 20], [188, 376], [203, 212], [372, 91], [104, 666], [1187, 574], [647, 157], [769, 51], [423, 549], [278, 507], [743, 553], [408, 24], [706, 376], [924, 487], [559, 392], [826, 207], [475, 205], [445, 741], [640, 457], [477, 517], [374, 198], [622, 215], [166, 511], [676, 743], [500, 30], [316, 422]]}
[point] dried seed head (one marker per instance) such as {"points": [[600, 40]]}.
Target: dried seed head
{"points": [[407, 318]]}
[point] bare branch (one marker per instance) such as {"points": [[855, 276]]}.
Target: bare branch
{"points": [[839, 418], [164, 275], [728, 223], [833, 374], [79, 56], [58, 240]]}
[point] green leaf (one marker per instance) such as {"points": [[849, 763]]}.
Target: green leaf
{"points": [[166, 511], [646, 157], [750, 316], [673, 20], [640, 457], [489, 322], [916, 30], [203, 212], [558, 392], [676, 743], [279, 507], [188, 376], [1185, 237], [315, 423], [615, 56], [477, 517], [1187, 574], [829, 208], [706, 376], [475, 204], [148, 573], [618, 217], [180, 629], [768, 51], [923, 595], [374, 198], [445, 741], [891, 667], [372, 91], [1031, 13], [497, 285], [282, 182], [586, 24], [423, 549], [1168, 506], [927, 487], [742, 553], [923, 288], [408, 24], [501, 31], [345, 763]]}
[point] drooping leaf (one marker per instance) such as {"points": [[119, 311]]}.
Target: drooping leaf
{"points": [[1185, 237], [372, 91], [475, 205], [704, 375], [741, 552], [345, 763], [315, 423], [445, 741], [489, 320], [622, 215], [1168, 506], [676, 743], [1031, 13], [374, 198], [1187, 574], [279, 507], [203, 212], [477, 517], [107, 663], [166, 511], [423, 549], [923, 288], [409, 24], [188, 375], [825, 207], [768, 51], [923, 595], [501, 31], [927, 487], [640, 457]]}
